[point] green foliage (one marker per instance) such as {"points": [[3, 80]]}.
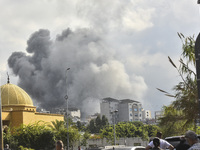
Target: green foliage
{"points": [[34, 136], [152, 130], [24, 148], [80, 126], [91, 127], [9, 139], [73, 135], [128, 129], [107, 133], [104, 121], [70, 122], [97, 124], [183, 111], [56, 125], [86, 136], [40, 136]]}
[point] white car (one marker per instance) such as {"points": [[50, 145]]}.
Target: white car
{"points": [[125, 148]]}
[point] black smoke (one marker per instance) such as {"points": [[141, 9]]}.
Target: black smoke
{"points": [[94, 72]]}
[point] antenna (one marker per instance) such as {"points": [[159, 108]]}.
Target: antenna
{"points": [[8, 78]]}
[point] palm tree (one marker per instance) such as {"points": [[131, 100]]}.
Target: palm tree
{"points": [[56, 125], [186, 92]]}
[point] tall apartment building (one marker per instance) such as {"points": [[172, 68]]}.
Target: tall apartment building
{"points": [[127, 110], [146, 115], [130, 110], [108, 106]]}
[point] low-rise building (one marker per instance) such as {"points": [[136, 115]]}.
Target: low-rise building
{"points": [[18, 108]]}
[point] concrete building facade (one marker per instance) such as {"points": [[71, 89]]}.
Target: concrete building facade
{"points": [[121, 110], [107, 107]]}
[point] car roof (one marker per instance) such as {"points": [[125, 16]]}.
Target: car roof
{"points": [[127, 148]]}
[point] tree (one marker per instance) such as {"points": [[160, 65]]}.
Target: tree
{"points": [[171, 124], [73, 135], [79, 125], [56, 125], [151, 129], [92, 127], [107, 133], [185, 104], [97, 124], [125, 129], [86, 136], [104, 121], [39, 136], [35, 136]]}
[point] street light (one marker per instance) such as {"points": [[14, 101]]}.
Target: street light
{"points": [[66, 97], [114, 112]]}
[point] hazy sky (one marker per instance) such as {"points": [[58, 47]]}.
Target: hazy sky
{"points": [[115, 48]]}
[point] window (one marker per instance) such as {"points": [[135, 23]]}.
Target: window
{"points": [[136, 115], [130, 109], [131, 115], [135, 109]]}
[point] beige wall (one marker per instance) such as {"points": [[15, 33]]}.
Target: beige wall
{"points": [[19, 117]]}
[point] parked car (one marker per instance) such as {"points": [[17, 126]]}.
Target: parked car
{"points": [[173, 140], [125, 148]]}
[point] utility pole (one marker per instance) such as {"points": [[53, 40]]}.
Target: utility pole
{"points": [[114, 112], [197, 58], [66, 97], [1, 125]]}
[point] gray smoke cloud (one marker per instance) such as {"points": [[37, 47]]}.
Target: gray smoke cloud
{"points": [[95, 72]]}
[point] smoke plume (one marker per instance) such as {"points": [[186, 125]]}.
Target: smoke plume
{"points": [[94, 73]]}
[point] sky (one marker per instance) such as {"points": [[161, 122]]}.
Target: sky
{"points": [[115, 48]]}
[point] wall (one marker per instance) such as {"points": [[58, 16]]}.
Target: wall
{"points": [[136, 141]]}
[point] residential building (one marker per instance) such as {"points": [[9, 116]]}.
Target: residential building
{"points": [[146, 115], [158, 115], [107, 107], [75, 114], [121, 110]]}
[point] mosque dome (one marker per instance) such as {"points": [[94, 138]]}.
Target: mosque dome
{"points": [[14, 95]]}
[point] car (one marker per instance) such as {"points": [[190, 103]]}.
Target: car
{"points": [[124, 148], [173, 140]]}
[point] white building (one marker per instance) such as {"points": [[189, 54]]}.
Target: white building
{"points": [[158, 115], [75, 114], [130, 110], [146, 115], [121, 110]]}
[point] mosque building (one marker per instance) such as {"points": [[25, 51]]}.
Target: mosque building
{"points": [[18, 108]]}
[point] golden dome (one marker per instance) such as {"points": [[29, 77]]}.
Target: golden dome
{"points": [[14, 95]]}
